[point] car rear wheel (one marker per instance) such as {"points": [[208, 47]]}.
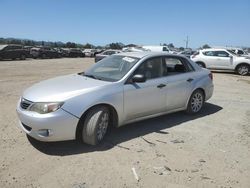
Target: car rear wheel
{"points": [[196, 102], [95, 125], [243, 69], [23, 57]]}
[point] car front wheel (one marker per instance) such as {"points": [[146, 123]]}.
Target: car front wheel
{"points": [[95, 125], [196, 102], [243, 69], [23, 57]]}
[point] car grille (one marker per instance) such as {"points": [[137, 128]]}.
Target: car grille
{"points": [[25, 104]]}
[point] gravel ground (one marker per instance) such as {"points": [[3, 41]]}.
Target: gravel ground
{"points": [[211, 149]]}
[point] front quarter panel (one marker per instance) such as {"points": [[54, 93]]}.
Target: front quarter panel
{"points": [[111, 94]]}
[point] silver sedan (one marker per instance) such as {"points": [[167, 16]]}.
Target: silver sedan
{"points": [[118, 90]]}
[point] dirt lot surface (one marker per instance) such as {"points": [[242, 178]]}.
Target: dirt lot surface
{"points": [[211, 149]]}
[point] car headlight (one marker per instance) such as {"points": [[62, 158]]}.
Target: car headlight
{"points": [[44, 108]]}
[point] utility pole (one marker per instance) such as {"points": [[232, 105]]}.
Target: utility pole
{"points": [[186, 41]]}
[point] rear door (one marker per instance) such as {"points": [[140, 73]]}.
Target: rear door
{"points": [[179, 79]]}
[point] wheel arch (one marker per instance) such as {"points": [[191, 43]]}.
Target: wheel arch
{"points": [[243, 63], [195, 89], [113, 113]]}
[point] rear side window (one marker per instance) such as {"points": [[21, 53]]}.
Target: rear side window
{"points": [[175, 65]]}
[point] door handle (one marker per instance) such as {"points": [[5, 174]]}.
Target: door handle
{"points": [[161, 86], [190, 80]]}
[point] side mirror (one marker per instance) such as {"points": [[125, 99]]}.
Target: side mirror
{"points": [[138, 78]]}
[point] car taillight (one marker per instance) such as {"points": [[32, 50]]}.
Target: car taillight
{"points": [[195, 54], [210, 76]]}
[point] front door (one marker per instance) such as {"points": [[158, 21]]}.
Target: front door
{"points": [[147, 98]]}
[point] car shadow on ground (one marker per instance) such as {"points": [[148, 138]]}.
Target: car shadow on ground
{"points": [[116, 136]]}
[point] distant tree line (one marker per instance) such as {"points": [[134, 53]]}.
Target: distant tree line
{"points": [[59, 44]]}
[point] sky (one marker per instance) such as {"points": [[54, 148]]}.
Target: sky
{"points": [[143, 22]]}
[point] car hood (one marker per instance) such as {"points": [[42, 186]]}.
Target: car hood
{"points": [[62, 88]]}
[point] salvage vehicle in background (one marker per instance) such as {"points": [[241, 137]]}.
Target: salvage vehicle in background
{"points": [[157, 49], [122, 89], [11, 51], [106, 53], [222, 59], [75, 53], [239, 52], [44, 52], [89, 52]]}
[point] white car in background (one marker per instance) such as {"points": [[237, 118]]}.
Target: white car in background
{"points": [[157, 49], [222, 59], [89, 52], [239, 52]]}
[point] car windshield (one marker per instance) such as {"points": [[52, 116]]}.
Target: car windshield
{"points": [[112, 68]]}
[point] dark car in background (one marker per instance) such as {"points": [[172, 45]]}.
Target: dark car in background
{"points": [[44, 52], [104, 54], [13, 52], [75, 53]]}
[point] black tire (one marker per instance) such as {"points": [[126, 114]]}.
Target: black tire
{"points": [[195, 102], [243, 69], [44, 56], [95, 125], [23, 57], [201, 64]]}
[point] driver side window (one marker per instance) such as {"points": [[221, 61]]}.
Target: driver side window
{"points": [[151, 68]]}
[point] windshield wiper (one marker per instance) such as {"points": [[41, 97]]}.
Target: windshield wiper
{"points": [[91, 76]]}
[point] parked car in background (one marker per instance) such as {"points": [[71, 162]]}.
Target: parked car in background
{"points": [[187, 53], [134, 49], [106, 53], [75, 53], [44, 52], [11, 51], [222, 59], [90, 52], [64, 52], [157, 49], [122, 89], [239, 52]]}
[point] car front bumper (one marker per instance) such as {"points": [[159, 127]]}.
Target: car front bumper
{"points": [[54, 126]]}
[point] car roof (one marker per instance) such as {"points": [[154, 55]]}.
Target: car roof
{"points": [[141, 55]]}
